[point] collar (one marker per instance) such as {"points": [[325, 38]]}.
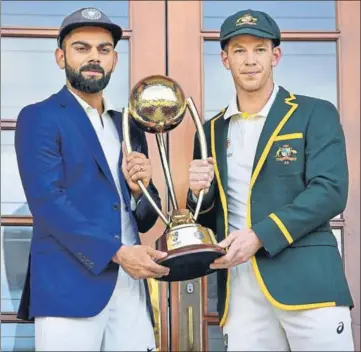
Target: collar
{"points": [[107, 105], [233, 105]]}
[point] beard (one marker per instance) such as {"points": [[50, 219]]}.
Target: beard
{"points": [[87, 85]]}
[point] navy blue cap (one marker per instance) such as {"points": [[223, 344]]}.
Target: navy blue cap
{"points": [[252, 22], [89, 16]]}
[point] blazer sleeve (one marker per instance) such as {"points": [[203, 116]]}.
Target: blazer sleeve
{"points": [[37, 144], [144, 213], [326, 178]]}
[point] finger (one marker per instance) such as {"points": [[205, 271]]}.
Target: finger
{"points": [[138, 161], [155, 254], [199, 185], [199, 169], [229, 257], [200, 177], [139, 169], [157, 270], [199, 163], [227, 241], [210, 160], [219, 266], [133, 155]]}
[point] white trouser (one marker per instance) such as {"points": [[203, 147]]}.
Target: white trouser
{"points": [[123, 325], [253, 324]]}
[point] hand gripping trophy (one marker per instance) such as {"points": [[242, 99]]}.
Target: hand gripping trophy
{"points": [[157, 105]]}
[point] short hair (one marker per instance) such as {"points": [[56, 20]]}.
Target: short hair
{"points": [[225, 43]]}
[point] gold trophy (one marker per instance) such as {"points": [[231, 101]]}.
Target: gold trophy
{"points": [[157, 104]]}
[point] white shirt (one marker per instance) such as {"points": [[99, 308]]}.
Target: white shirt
{"points": [[242, 141], [110, 143]]}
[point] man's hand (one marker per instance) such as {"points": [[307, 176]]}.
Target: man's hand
{"points": [[201, 174], [243, 244], [138, 261], [136, 166]]}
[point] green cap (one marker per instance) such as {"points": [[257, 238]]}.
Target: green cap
{"points": [[250, 22]]}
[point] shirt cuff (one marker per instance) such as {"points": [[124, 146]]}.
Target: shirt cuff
{"points": [[134, 203], [194, 197]]}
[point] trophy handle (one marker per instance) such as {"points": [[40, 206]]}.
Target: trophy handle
{"points": [[128, 146], [203, 146], [166, 169]]}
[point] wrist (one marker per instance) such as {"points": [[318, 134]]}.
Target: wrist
{"points": [[137, 194], [117, 258], [257, 239]]}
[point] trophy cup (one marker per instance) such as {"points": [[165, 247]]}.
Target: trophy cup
{"points": [[157, 105]]}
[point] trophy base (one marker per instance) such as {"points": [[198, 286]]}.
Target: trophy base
{"points": [[190, 262]]}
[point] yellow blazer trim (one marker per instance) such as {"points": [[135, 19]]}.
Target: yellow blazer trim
{"points": [[281, 305], [225, 211], [266, 150], [282, 227], [255, 174], [285, 137]]}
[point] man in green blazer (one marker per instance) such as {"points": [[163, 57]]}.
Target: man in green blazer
{"points": [[276, 175]]}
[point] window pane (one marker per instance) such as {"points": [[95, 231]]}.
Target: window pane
{"points": [[215, 339], [212, 293], [51, 13], [30, 74], [15, 246], [17, 337], [289, 15], [317, 78], [13, 200]]}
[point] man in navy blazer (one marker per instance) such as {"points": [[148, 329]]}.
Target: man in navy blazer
{"points": [[84, 283]]}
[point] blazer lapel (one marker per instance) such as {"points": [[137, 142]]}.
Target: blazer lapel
{"points": [[76, 113], [282, 109]]}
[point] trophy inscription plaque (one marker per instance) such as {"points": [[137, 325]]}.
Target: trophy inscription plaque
{"points": [[157, 105]]}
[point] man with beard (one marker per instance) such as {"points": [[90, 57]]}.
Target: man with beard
{"points": [[277, 175], [84, 285]]}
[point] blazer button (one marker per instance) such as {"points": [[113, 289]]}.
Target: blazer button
{"points": [[117, 237], [115, 206]]}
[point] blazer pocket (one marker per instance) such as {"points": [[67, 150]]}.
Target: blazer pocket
{"points": [[286, 157]]}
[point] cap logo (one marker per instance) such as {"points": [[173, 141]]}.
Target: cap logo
{"points": [[91, 14], [246, 19]]}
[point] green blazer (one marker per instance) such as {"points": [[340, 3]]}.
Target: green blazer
{"points": [[299, 182]]}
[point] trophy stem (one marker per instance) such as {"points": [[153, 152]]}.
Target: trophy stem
{"points": [[128, 146], [203, 147], [168, 178]]}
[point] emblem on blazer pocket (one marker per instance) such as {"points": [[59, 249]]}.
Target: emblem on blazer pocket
{"points": [[286, 154]]}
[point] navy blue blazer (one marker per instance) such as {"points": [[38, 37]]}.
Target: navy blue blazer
{"points": [[76, 209]]}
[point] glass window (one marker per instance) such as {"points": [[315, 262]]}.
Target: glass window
{"points": [[51, 13], [289, 15], [15, 246], [13, 200], [308, 68], [215, 339], [17, 337], [30, 74]]}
